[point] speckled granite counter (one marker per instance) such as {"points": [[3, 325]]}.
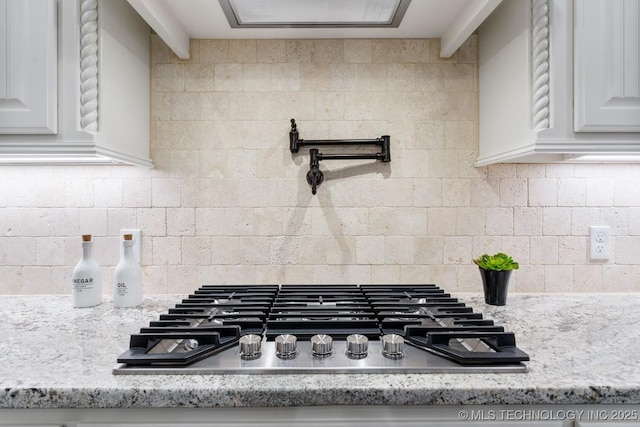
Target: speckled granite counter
{"points": [[583, 348]]}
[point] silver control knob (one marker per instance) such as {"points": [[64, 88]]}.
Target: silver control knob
{"points": [[321, 345], [393, 346], [357, 346], [250, 347], [286, 346]]}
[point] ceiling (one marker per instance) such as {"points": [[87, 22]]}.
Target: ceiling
{"points": [[177, 21]]}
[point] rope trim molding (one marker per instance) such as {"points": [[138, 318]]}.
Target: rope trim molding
{"points": [[540, 53], [89, 65]]}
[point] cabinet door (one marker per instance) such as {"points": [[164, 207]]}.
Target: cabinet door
{"points": [[28, 67], [607, 66]]}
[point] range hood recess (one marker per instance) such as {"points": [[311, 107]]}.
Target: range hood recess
{"points": [[315, 14], [453, 21]]}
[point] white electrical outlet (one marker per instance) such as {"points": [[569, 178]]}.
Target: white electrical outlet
{"points": [[599, 242], [137, 241]]}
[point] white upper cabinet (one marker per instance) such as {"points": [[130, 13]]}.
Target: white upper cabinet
{"points": [[607, 66], [28, 65], [559, 81], [74, 83]]}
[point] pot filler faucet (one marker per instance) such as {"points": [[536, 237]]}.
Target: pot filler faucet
{"points": [[315, 175]]}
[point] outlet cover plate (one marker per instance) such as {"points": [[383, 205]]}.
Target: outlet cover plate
{"points": [[599, 242], [137, 241]]}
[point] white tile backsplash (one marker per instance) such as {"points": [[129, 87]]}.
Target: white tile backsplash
{"points": [[228, 203]]}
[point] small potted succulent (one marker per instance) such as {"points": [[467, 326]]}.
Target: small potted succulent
{"points": [[495, 271]]}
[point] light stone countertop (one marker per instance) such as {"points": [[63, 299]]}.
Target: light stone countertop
{"points": [[584, 348]]}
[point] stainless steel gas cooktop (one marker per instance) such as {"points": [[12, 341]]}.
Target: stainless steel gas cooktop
{"points": [[321, 329]]}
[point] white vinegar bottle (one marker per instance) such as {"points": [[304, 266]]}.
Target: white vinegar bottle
{"points": [[127, 277], [87, 277]]}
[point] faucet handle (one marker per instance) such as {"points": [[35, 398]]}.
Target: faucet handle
{"points": [[315, 175], [314, 178]]}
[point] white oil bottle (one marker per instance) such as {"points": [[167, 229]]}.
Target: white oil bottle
{"points": [[127, 277], [86, 278]]}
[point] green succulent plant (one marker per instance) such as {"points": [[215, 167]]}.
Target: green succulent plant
{"points": [[497, 262]]}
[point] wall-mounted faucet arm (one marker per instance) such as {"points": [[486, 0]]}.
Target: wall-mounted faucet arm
{"points": [[295, 142], [315, 175]]}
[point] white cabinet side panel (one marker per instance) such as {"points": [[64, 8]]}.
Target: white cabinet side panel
{"points": [[124, 78], [506, 122]]}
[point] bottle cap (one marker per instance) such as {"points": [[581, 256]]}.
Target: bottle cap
{"points": [[128, 236], [86, 237]]}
